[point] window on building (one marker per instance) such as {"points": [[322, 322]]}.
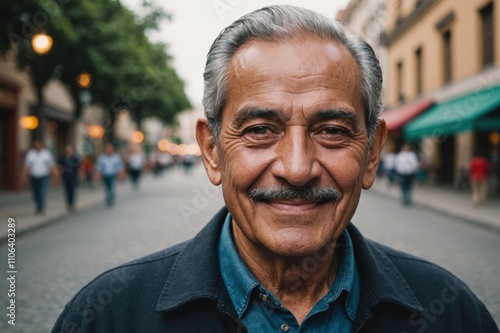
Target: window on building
{"points": [[447, 56], [399, 81], [419, 69], [487, 34]]}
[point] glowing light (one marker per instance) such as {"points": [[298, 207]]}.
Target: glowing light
{"points": [[183, 149], [28, 122], [494, 138], [95, 131], [41, 43], [173, 149], [194, 149], [137, 137], [84, 80], [163, 145]]}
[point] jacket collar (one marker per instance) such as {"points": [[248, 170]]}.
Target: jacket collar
{"points": [[196, 275], [195, 272], [381, 280]]}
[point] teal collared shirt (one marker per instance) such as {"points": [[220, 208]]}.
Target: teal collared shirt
{"points": [[261, 311]]}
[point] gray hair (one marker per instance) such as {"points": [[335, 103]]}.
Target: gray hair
{"points": [[276, 23]]}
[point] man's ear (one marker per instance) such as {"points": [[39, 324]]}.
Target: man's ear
{"points": [[374, 155], [209, 151]]}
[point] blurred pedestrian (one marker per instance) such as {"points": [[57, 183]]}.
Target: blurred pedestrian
{"points": [[187, 163], [406, 165], [166, 160], [135, 163], [155, 163], [110, 166], [388, 161], [38, 165], [69, 164], [88, 170], [479, 169]]}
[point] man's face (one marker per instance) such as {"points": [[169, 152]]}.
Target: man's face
{"points": [[294, 119], [38, 145], [68, 150], [109, 149]]}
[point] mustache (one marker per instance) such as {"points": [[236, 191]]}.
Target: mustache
{"points": [[315, 193]]}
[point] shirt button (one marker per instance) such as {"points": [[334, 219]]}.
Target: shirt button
{"points": [[285, 327], [264, 297]]}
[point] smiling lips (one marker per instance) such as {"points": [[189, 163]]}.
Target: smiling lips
{"points": [[294, 205]]}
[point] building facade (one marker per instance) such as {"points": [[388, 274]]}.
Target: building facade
{"points": [[368, 19], [447, 52], [18, 100]]}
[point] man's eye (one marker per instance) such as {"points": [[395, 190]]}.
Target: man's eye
{"points": [[260, 130], [334, 131]]}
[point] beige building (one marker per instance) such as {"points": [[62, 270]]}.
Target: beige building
{"points": [[368, 19], [445, 52], [17, 100]]}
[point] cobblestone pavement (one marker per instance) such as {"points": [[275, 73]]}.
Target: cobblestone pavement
{"points": [[54, 262], [467, 250]]}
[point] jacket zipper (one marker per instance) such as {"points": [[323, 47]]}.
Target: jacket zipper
{"points": [[362, 325], [238, 322]]}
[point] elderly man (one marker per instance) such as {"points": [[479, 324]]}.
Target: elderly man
{"points": [[292, 135]]}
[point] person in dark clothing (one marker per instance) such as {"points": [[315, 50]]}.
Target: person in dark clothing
{"points": [[69, 164], [292, 135]]}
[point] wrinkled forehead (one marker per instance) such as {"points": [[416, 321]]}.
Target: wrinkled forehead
{"points": [[300, 65]]}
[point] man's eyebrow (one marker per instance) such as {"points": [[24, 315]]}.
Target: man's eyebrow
{"points": [[344, 115], [250, 113]]}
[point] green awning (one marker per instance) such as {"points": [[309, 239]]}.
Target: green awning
{"points": [[477, 111]]}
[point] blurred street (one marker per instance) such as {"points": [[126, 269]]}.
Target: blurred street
{"points": [[55, 261]]}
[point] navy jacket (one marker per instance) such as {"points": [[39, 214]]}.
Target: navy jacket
{"points": [[180, 289]]}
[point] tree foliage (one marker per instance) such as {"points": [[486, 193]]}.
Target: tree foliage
{"points": [[105, 39]]}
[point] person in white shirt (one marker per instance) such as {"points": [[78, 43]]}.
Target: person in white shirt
{"points": [[389, 159], [135, 163], [110, 166], [38, 166], [406, 166]]}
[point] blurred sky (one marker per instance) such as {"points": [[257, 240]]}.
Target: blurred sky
{"points": [[196, 23]]}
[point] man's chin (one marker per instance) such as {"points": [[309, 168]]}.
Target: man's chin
{"points": [[298, 246]]}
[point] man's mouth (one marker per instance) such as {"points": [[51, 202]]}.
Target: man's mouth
{"points": [[294, 205]]}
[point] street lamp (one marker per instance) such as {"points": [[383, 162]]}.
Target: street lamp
{"points": [[84, 80], [42, 44], [95, 132], [137, 136], [28, 122]]}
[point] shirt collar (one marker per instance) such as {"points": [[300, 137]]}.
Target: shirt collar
{"points": [[237, 278], [347, 278], [240, 282]]}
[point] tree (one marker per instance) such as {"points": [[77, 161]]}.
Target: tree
{"points": [[104, 39]]}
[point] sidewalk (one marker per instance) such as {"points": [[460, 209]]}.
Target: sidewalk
{"points": [[20, 206], [445, 200], [449, 201]]}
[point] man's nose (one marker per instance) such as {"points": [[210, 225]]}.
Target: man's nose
{"points": [[296, 161]]}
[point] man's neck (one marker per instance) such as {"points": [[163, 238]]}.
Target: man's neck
{"points": [[298, 282]]}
